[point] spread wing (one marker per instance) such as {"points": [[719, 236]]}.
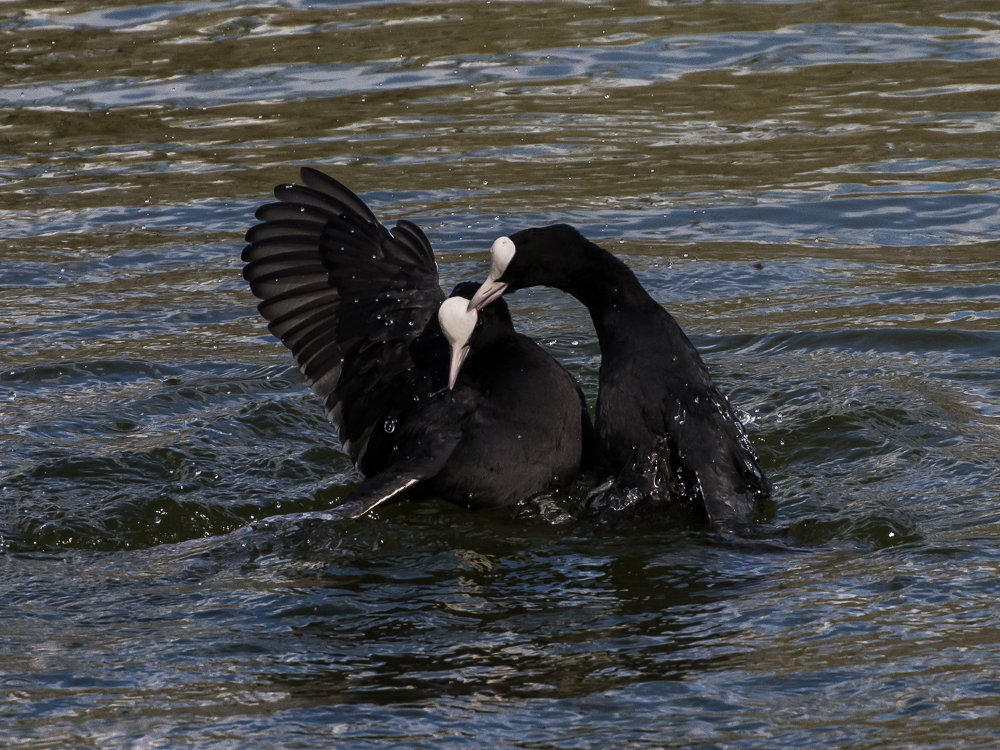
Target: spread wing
{"points": [[356, 304]]}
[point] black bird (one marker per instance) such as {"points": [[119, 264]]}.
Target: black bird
{"points": [[661, 424], [361, 309]]}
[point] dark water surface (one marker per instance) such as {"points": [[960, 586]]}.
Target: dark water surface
{"points": [[811, 188]]}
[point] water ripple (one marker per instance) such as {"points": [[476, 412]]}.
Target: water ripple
{"points": [[640, 64], [811, 190]]}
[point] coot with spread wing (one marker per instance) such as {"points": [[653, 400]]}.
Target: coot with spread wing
{"points": [[361, 309]]}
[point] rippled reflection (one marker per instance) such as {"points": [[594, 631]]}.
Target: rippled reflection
{"points": [[810, 188]]}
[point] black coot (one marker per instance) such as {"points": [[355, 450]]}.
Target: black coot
{"points": [[361, 309], [661, 425]]}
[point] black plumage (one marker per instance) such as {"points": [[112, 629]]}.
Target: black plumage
{"points": [[357, 304], [662, 427]]}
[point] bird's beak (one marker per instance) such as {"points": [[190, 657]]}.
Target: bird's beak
{"points": [[458, 355], [489, 291]]}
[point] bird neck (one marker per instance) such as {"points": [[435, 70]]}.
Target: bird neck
{"points": [[607, 287], [489, 335]]}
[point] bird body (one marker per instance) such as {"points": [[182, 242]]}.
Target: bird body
{"points": [[530, 420], [661, 424]]}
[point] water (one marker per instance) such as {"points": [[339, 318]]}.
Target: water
{"points": [[812, 189]]}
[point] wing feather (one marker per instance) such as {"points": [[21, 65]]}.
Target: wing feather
{"points": [[355, 303]]}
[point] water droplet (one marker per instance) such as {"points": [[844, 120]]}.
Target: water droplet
{"points": [[390, 425]]}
